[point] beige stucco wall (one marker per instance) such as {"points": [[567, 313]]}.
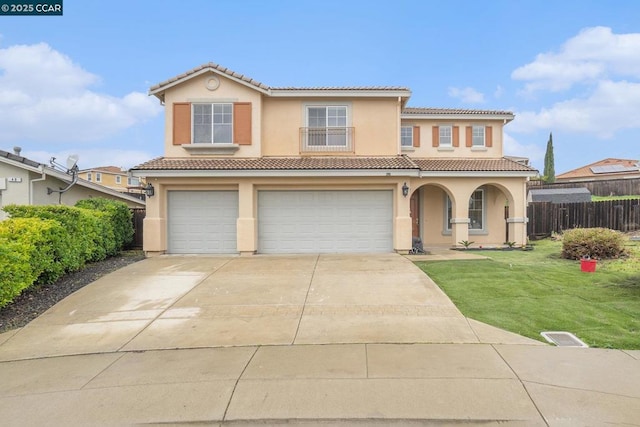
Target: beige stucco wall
{"points": [[498, 192], [374, 121], [195, 90], [427, 149]]}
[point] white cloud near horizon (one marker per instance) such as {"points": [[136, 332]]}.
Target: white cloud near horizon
{"points": [[467, 95], [45, 97], [91, 158], [512, 147], [606, 68]]}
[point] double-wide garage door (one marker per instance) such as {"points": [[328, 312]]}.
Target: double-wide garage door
{"points": [[325, 221], [288, 221]]}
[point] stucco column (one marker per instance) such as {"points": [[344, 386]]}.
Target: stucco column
{"points": [[402, 224], [154, 239], [460, 221], [247, 227]]}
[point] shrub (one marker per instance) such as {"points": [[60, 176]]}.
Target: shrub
{"points": [[16, 272], [597, 243], [44, 242], [79, 225], [120, 217]]}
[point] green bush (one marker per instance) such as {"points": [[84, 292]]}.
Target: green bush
{"points": [[16, 272], [44, 242], [599, 243], [79, 224], [120, 217]]}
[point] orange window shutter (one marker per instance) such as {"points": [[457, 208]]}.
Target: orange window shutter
{"points": [[435, 136], [488, 136], [456, 136], [416, 136], [469, 136], [242, 123], [181, 123]]}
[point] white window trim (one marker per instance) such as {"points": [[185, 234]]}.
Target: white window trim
{"points": [[472, 231], [98, 177], [118, 179], [473, 137], [405, 147], [347, 110], [193, 133], [450, 144], [88, 176]]}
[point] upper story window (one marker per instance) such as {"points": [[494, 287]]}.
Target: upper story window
{"points": [[326, 129], [213, 123], [98, 177], [406, 136], [133, 181], [477, 136], [88, 176], [446, 136], [118, 179], [211, 126]]}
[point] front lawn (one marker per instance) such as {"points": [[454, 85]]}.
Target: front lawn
{"points": [[535, 291]]}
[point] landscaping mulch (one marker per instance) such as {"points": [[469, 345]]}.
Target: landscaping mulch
{"points": [[35, 301]]}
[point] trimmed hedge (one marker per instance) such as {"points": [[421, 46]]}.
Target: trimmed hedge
{"points": [[598, 243], [38, 244]]}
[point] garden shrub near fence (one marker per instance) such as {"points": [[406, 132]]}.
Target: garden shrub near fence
{"points": [[599, 243], [38, 244]]}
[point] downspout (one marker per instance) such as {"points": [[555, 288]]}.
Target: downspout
{"points": [[31, 190]]}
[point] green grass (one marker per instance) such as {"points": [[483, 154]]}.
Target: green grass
{"points": [[535, 291], [606, 198]]}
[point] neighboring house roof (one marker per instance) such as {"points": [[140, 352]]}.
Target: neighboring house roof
{"points": [[603, 169], [33, 166], [335, 164], [107, 169], [560, 195]]}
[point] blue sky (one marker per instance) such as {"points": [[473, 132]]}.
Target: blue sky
{"points": [[78, 83]]}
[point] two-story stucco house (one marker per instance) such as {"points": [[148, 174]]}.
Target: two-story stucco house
{"points": [[250, 168]]}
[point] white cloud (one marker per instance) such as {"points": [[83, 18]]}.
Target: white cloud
{"points": [[611, 107], [90, 158], [595, 53], [468, 95], [45, 97], [512, 147]]}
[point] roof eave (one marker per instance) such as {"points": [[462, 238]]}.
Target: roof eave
{"points": [[505, 117], [341, 93], [199, 173]]}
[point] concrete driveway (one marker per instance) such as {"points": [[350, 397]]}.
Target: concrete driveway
{"points": [[202, 301], [208, 341]]}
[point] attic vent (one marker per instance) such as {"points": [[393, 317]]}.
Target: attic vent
{"points": [[563, 339]]}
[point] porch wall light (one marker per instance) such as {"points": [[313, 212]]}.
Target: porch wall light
{"points": [[405, 190], [149, 190]]}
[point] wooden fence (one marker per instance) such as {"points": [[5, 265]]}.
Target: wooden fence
{"points": [[610, 187], [546, 217], [138, 220]]}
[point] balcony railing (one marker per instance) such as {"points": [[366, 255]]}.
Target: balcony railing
{"points": [[323, 140]]}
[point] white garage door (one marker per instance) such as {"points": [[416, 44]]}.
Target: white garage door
{"points": [[325, 221], [202, 222]]}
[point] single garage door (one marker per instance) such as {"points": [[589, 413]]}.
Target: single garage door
{"points": [[325, 221], [202, 222]]}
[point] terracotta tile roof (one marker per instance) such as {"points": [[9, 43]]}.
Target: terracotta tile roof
{"points": [[453, 111], [348, 88], [211, 66], [335, 163], [471, 165], [278, 163], [587, 172]]}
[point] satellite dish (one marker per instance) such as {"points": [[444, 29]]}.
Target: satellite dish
{"points": [[72, 160]]}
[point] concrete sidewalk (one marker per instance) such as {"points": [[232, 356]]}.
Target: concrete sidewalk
{"points": [[299, 339]]}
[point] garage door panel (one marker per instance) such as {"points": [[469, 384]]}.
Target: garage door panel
{"points": [[325, 221], [202, 221]]}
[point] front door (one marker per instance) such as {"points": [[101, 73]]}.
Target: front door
{"points": [[414, 206]]}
